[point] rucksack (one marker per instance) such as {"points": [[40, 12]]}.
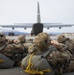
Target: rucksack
{"points": [[37, 64], [5, 62]]}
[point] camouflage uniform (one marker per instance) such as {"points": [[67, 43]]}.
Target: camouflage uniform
{"points": [[63, 58], [9, 41], [13, 51], [42, 46], [41, 41], [38, 61], [5, 62], [67, 41], [58, 54], [61, 39], [21, 39], [70, 43], [18, 53]]}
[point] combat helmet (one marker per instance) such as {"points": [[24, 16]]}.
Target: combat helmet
{"points": [[32, 49], [61, 39], [22, 39], [42, 40], [2, 39]]}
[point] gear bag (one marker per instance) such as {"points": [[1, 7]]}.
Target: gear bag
{"points": [[5, 62], [37, 64]]}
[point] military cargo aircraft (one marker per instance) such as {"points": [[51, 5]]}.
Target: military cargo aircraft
{"points": [[37, 27]]}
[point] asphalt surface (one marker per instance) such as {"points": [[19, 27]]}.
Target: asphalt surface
{"points": [[12, 71], [18, 71], [32, 37]]}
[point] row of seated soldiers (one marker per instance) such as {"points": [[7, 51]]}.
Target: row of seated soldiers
{"points": [[43, 56], [12, 50], [49, 57]]}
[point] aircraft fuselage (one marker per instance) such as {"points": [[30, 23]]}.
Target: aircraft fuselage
{"points": [[37, 28]]}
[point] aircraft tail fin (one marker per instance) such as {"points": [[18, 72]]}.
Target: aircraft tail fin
{"points": [[38, 14]]}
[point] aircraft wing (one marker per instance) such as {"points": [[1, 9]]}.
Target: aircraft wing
{"points": [[29, 25], [51, 25], [25, 25]]}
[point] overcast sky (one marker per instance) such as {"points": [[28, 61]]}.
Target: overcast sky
{"points": [[25, 11]]}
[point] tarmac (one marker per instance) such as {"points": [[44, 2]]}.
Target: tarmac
{"points": [[12, 71], [33, 37], [18, 71]]}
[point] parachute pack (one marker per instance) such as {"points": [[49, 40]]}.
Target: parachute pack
{"points": [[5, 62]]}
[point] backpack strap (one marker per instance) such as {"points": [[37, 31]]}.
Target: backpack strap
{"points": [[1, 48], [51, 49]]}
